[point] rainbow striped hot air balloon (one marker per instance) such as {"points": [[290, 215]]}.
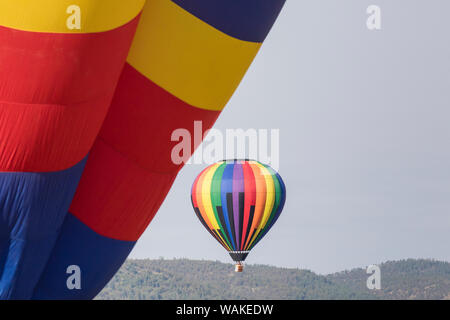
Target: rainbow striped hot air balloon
{"points": [[238, 202]]}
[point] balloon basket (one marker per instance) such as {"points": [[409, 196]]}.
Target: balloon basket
{"points": [[239, 267]]}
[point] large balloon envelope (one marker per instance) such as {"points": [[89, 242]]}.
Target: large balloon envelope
{"points": [[185, 62], [238, 202], [56, 85]]}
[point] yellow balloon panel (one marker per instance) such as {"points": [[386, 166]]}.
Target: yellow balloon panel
{"points": [[187, 57], [68, 16]]}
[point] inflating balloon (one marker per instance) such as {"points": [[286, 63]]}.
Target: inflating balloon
{"points": [[56, 85], [238, 202], [59, 74], [187, 59]]}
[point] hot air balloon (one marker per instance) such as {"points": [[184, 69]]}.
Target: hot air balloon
{"points": [[238, 202], [57, 81], [186, 60]]}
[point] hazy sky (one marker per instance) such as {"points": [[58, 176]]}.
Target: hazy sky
{"points": [[364, 119]]}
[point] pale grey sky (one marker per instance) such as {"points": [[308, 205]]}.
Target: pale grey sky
{"points": [[364, 131]]}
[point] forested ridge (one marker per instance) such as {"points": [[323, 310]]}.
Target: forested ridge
{"points": [[192, 279]]}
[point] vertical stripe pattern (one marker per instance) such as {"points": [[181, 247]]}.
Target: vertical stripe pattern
{"points": [[238, 202]]}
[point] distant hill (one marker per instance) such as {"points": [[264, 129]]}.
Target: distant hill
{"points": [[190, 279], [405, 279]]}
